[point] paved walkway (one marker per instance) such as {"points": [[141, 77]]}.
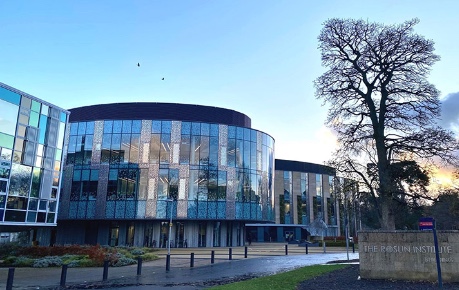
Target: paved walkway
{"points": [[262, 259]]}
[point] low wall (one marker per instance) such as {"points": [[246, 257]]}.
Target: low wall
{"points": [[408, 255]]}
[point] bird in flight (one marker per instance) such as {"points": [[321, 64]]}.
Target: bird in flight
{"points": [[138, 64], [162, 79]]}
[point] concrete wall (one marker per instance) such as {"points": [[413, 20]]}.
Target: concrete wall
{"points": [[408, 255]]}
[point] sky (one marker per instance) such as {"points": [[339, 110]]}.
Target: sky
{"points": [[257, 57]]}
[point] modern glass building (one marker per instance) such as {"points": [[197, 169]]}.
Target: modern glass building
{"points": [[306, 203], [131, 168], [31, 152]]}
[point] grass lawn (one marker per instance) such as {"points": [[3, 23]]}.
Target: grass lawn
{"points": [[283, 281]]}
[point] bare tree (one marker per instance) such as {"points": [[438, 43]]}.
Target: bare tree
{"points": [[382, 107]]}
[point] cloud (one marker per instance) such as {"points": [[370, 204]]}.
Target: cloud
{"points": [[315, 148], [450, 112]]}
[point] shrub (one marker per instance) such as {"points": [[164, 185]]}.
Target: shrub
{"points": [[18, 261], [50, 261], [137, 252], [8, 249], [124, 261], [149, 257]]}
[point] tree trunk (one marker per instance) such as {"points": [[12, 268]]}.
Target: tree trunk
{"points": [[387, 219]]}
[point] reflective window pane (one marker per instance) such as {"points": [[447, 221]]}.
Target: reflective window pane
{"points": [[117, 126], [8, 118], [26, 102], [20, 179], [9, 96], [136, 126], [127, 126], [6, 141]]}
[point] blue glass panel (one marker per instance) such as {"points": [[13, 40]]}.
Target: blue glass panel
{"points": [[259, 213], [73, 209], [213, 151], [195, 129], [166, 127], [192, 209], [221, 209], [253, 136], [202, 209], [231, 132], [9, 96], [136, 126], [81, 209], [63, 117], [156, 127], [130, 209], [253, 213], [120, 209], [240, 133], [106, 141], [72, 144], [73, 128], [212, 209], [117, 126], [127, 126], [186, 128], [91, 212], [239, 210], [247, 135], [214, 130], [205, 129], [161, 207], [31, 216], [81, 128], [94, 174], [42, 126], [268, 213], [108, 126], [84, 174], [246, 210], [116, 142], [90, 128], [141, 206], [109, 209]]}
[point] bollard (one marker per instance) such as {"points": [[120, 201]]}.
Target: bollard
{"points": [[9, 282], [306, 248], [230, 254], [245, 252], [64, 275], [105, 274], [212, 257], [286, 250], [353, 248], [168, 262], [192, 260], [139, 266]]}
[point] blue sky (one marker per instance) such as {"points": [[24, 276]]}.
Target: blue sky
{"points": [[258, 57]]}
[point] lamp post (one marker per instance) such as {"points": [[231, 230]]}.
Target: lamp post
{"points": [[168, 258]]}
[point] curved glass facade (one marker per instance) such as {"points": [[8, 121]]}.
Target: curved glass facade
{"points": [[118, 170]]}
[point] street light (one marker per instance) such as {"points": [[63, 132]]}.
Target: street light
{"points": [[168, 258]]}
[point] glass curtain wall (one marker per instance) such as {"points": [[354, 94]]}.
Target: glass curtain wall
{"points": [[318, 199], [31, 144], [303, 200], [193, 162]]}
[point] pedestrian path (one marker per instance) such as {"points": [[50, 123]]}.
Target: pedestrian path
{"points": [[262, 259]]}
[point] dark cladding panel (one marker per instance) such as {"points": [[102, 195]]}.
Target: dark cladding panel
{"points": [[288, 165], [159, 111]]}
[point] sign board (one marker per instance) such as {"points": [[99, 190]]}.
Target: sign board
{"points": [[426, 224]]}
